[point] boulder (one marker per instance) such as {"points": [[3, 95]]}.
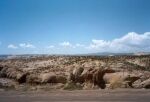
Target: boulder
{"points": [[33, 79], [144, 84], [98, 77], [75, 76], [3, 73], [87, 75], [48, 78], [7, 83], [119, 79], [13, 73], [95, 76], [78, 71]]}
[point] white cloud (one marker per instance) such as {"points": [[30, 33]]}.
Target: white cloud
{"points": [[66, 44], [79, 45], [129, 43], [12, 46], [50, 47], [99, 44], [26, 45]]}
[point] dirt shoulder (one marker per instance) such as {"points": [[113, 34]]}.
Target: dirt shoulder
{"points": [[119, 95]]}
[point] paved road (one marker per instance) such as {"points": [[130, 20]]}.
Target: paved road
{"points": [[77, 96]]}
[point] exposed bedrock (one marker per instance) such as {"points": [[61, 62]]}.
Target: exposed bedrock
{"points": [[46, 78], [120, 79], [13, 73], [87, 76], [144, 84]]}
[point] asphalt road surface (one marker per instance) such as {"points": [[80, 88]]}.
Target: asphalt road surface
{"points": [[124, 95]]}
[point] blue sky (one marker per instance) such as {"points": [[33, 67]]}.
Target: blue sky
{"points": [[74, 26]]}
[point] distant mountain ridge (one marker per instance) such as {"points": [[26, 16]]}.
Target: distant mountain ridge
{"points": [[9, 56], [114, 54]]}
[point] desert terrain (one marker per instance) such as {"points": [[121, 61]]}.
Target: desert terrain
{"points": [[45, 78], [74, 72]]}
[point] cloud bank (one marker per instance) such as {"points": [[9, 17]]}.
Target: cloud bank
{"points": [[131, 42], [26, 45], [22, 45], [11, 46]]}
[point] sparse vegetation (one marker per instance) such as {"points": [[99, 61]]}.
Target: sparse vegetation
{"points": [[75, 72]]}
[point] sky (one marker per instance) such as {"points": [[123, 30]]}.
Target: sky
{"points": [[74, 26]]}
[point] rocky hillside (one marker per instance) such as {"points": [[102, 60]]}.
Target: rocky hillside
{"points": [[75, 72]]}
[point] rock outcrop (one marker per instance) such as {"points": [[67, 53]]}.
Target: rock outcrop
{"points": [[144, 84], [13, 73], [120, 79], [76, 72], [93, 77]]}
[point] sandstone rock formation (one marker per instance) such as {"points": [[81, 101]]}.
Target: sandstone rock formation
{"points": [[13, 73], [119, 78], [77, 72], [144, 84]]}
